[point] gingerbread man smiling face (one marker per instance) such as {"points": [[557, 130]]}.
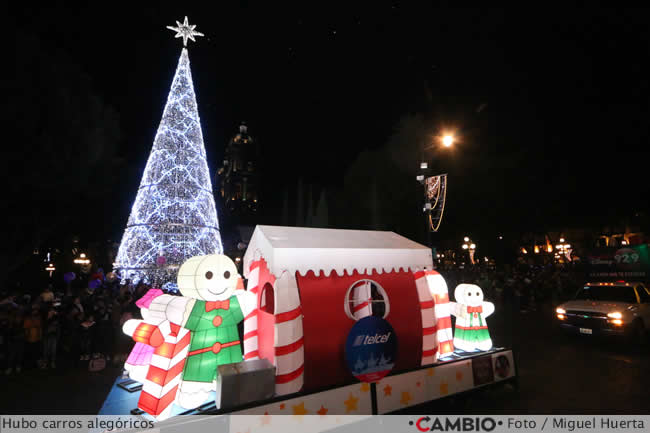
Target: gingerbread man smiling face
{"points": [[469, 294], [214, 278]]}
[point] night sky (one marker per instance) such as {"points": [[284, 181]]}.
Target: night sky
{"points": [[550, 105]]}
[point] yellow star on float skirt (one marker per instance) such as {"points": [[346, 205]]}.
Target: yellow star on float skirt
{"points": [[388, 390], [430, 372], [406, 397], [300, 409], [365, 387], [459, 376], [322, 411], [351, 403], [186, 31], [444, 389]]}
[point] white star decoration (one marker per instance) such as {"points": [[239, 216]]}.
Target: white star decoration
{"points": [[186, 31]]}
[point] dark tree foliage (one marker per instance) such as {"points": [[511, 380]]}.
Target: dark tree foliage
{"points": [[61, 157]]}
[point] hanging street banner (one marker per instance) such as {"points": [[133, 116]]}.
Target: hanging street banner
{"points": [[626, 262]]}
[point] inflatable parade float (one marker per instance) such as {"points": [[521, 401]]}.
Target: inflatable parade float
{"points": [[322, 321]]}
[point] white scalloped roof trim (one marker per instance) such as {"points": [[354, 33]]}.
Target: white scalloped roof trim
{"points": [[298, 249]]}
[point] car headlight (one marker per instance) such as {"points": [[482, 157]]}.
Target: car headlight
{"points": [[562, 311], [615, 315]]}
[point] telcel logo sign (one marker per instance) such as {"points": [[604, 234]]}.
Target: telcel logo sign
{"points": [[368, 339]]}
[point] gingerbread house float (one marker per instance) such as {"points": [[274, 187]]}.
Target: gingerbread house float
{"points": [[313, 284]]}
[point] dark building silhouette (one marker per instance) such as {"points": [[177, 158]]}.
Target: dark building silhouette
{"points": [[239, 177]]}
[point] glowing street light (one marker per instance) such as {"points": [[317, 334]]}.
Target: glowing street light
{"points": [[50, 267], [470, 247], [82, 260], [564, 249], [448, 140]]}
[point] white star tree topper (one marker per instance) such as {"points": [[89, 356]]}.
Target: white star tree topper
{"points": [[186, 31]]}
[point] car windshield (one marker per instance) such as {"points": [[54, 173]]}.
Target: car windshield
{"points": [[607, 293]]}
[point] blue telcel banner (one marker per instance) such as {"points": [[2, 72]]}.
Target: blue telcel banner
{"points": [[371, 348]]}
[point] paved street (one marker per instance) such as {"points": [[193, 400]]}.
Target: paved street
{"points": [[557, 375]]}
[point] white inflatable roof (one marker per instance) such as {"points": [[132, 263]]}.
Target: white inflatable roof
{"points": [[299, 249]]}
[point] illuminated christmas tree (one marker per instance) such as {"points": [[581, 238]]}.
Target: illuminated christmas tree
{"points": [[174, 216]]}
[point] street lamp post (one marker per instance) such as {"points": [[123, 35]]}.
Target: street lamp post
{"points": [[84, 262], [447, 140], [470, 247], [564, 249]]}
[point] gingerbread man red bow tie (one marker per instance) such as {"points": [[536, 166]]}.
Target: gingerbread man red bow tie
{"points": [[475, 310], [216, 305]]}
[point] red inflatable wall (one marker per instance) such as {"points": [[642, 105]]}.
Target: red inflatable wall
{"points": [[326, 325]]}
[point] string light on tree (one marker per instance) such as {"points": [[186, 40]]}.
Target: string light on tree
{"points": [[174, 216]]}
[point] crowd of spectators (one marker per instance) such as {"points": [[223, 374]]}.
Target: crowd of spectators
{"points": [[67, 327], [523, 287], [80, 324]]}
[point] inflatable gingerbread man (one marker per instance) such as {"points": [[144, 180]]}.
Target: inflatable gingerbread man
{"points": [[471, 310], [210, 308]]}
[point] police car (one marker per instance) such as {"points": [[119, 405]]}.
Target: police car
{"points": [[608, 308]]}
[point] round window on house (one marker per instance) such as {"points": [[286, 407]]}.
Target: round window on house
{"points": [[366, 298]]}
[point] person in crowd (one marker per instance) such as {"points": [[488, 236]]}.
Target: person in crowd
{"points": [[4, 328], [76, 304], [15, 342], [124, 342], [72, 336], [87, 337], [33, 325], [104, 329], [47, 296], [51, 337]]}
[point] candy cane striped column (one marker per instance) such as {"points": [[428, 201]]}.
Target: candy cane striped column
{"points": [[442, 312], [361, 301], [259, 275], [165, 371], [429, 337], [289, 349]]}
